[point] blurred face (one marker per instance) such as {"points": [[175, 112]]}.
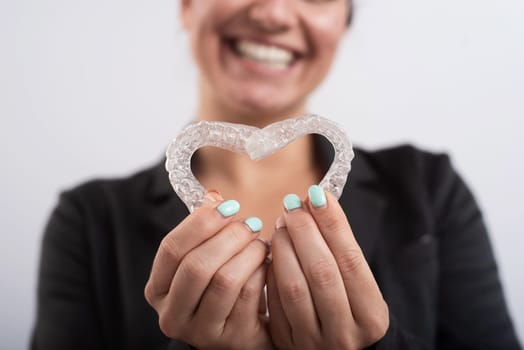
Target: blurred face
{"points": [[263, 56]]}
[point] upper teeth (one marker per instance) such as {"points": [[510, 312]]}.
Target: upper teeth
{"points": [[271, 55]]}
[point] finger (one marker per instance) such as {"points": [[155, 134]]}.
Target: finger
{"points": [[245, 309], [293, 289], [361, 287], [245, 313], [191, 232], [230, 283], [278, 324], [200, 265], [262, 304], [319, 266]]}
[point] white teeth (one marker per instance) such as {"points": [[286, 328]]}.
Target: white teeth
{"points": [[272, 56]]}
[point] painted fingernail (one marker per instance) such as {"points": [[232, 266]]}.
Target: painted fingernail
{"points": [[292, 202], [280, 223], [317, 197], [228, 208], [212, 196], [254, 224]]}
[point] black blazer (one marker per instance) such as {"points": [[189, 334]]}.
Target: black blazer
{"points": [[417, 223]]}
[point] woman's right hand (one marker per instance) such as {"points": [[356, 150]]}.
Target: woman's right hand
{"points": [[207, 281]]}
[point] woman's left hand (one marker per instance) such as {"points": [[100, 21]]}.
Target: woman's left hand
{"points": [[321, 292]]}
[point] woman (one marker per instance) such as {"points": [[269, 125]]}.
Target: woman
{"points": [[415, 269]]}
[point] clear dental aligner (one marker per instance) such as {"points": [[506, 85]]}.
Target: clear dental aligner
{"points": [[257, 144]]}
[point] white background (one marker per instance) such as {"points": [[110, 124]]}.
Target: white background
{"points": [[97, 88]]}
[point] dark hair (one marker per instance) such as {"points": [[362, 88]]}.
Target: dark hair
{"points": [[350, 12]]}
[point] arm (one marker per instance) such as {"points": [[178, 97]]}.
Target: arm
{"points": [[66, 316], [472, 312]]}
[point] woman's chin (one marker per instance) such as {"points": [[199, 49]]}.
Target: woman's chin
{"points": [[260, 103], [266, 110]]}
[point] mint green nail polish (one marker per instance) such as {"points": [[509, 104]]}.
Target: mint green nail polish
{"points": [[254, 224], [228, 208], [317, 196], [292, 202]]}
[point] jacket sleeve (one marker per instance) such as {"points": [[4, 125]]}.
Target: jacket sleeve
{"points": [[66, 316], [471, 311], [68, 311], [398, 338]]}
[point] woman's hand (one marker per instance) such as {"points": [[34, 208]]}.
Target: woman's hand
{"points": [[321, 292], [207, 281]]}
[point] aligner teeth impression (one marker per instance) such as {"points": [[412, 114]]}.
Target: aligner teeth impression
{"points": [[257, 143]]}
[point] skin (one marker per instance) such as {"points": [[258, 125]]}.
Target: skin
{"points": [[207, 278]]}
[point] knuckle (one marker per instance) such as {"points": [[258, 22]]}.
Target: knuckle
{"points": [[223, 282], [294, 291], [350, 260], [167, 326], [237, 232], [377, 326], [248, 292], [332, 223], [152, 292], [149, 292], [345, 341], [200, 220], [301, 221], [170, 246], [204, 222], [193, 267], [323, 274]]}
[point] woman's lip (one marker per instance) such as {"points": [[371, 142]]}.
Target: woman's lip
{"points": [[254, 66]]}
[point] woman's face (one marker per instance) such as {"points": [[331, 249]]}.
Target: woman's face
{"points": [[263, 56]]}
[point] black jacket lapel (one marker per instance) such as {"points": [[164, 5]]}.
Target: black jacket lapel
{"points": [[362, 203], [364, 209], [169, 209]]}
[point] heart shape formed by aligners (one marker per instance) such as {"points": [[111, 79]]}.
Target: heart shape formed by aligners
{"points": [[257, 143]]}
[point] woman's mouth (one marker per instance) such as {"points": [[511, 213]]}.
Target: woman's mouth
{"points": [[270, 56]]}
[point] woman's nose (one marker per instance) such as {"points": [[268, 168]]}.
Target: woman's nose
{"points": [[273, 15]]}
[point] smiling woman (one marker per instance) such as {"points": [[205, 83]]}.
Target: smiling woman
{"points": [[401, 261], [265, 57]]}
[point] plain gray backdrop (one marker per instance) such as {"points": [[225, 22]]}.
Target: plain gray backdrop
{"points": [[98, 88]]}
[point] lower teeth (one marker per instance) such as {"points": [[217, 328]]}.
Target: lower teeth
{"points": [[277, 65]]}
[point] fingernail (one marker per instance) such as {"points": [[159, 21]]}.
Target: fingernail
{"points": [[228, 208], [266, 241], [212, 196], [317, 197], [254, 224], [292, 202], [280, 223]]}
